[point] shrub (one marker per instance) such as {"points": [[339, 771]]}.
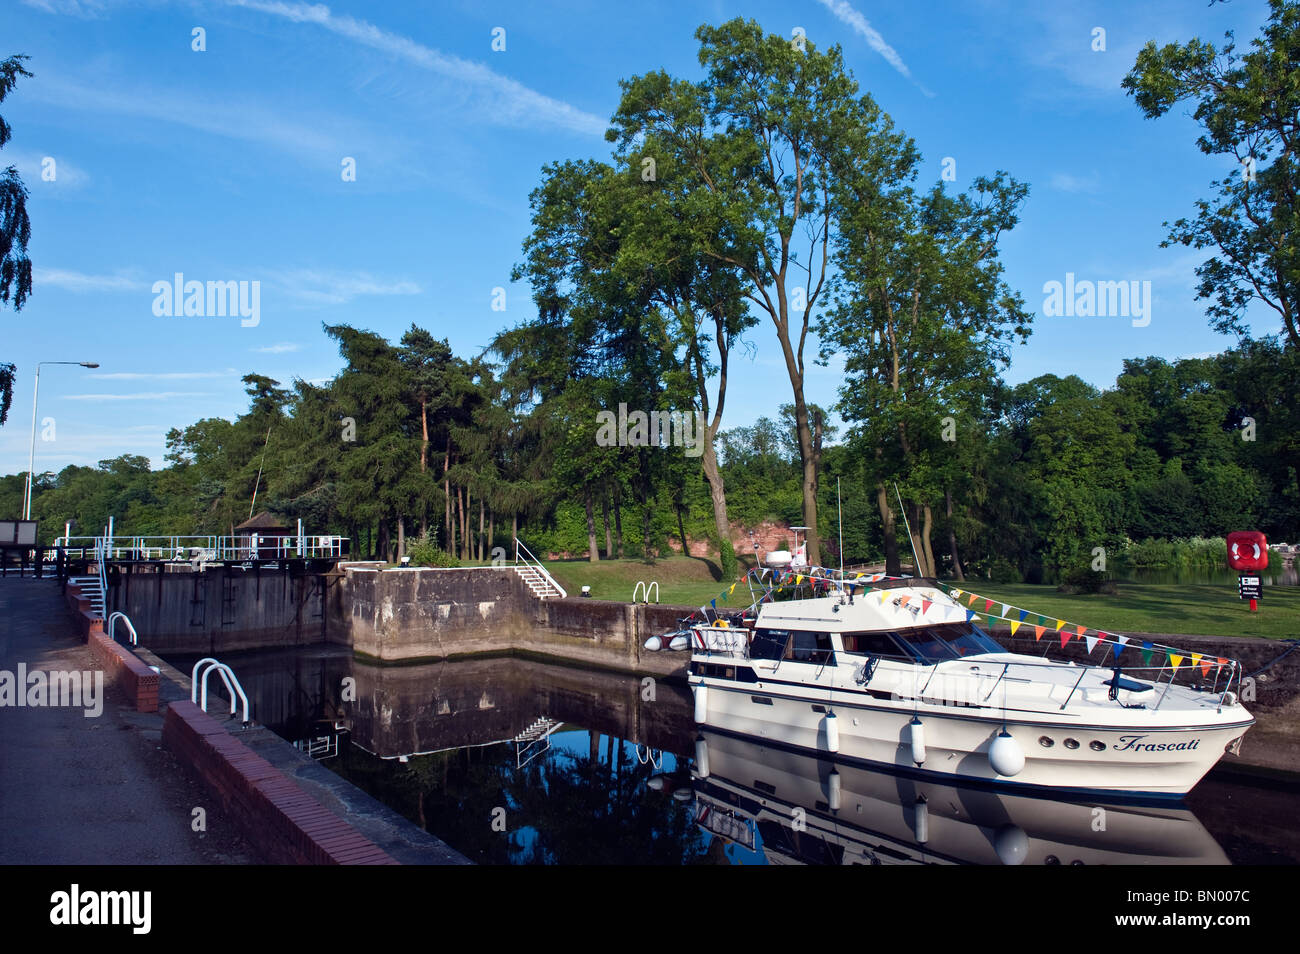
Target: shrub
{"points": [[424, 552], [1083, 581]]}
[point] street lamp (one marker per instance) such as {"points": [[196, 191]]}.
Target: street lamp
{"points": [[31, 456]]}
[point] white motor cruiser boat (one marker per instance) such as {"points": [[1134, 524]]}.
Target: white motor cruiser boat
{"points": [[897, 673]]}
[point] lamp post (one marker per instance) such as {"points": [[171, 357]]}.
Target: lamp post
{"points": [[31, 455]]}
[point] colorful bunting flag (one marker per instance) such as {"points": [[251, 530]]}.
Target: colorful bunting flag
{"points": [[1092, 643], [1060, 624], [1006, 609], [925, 605], [1038, 632], [988, 605], [1175, 659], [971, 601], [1015, 625], [1081, 630], [1065, 638], [1023, 615], [970, 616]]}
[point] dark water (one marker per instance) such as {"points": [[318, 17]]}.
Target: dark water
{"points": [[1285, 576], [519, 762]]}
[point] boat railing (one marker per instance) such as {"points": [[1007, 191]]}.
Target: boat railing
{"points": [[722, 641]]}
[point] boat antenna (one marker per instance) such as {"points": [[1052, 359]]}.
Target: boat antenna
{"points": [[839, 511], [259, 473], [916, 561]]}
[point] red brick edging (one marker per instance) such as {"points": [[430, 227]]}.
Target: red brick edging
{"points": [[274, 812], [121, 667]]}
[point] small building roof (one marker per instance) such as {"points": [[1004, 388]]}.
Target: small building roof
{"points": [[263, 521]]}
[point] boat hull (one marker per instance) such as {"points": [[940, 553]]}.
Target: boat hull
{"points": [[1139, 760]]}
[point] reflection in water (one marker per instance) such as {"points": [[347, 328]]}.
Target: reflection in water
{"points": [[512, 761], [802, 809]]}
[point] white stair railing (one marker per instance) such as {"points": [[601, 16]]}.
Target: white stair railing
{"points": [[524, 557], [233, 688], [112, 624]]}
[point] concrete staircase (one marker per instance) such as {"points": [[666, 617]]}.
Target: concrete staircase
{"points": [[539, 729], [540, 586], [88, 587]]}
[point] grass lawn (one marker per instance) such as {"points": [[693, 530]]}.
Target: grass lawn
{"points": [[687, 580], [1197, 609]]}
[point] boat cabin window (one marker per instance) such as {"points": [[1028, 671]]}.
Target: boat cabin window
{"points": [[880, 645], [810, 647], [950, 641], [792, 645], [769, 643]]}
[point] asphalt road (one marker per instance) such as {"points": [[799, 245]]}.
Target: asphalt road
{"points": [[90, 791]]}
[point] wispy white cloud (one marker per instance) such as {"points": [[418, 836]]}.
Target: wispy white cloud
{"points": [[1066, 182], [279, 348], [845, 13], [163, 375], [326, 288], [504, 100], [81, 282], [32, 166], [137, 396], [86, 9], [243, 121]]}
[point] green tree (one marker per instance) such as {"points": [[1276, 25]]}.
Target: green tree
{"points": [[924, 321], [1248, 107], [767, 134], [15, 227]]}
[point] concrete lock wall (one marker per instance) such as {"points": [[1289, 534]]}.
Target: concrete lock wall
{"points": [[408, 614], [176, 609]]}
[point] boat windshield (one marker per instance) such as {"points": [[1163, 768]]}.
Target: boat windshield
{"points": [[950, 641]]}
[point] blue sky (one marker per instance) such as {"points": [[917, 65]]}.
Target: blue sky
{"points": [[226, 165]]}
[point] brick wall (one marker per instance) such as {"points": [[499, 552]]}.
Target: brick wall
{"points": [[273, 811]]}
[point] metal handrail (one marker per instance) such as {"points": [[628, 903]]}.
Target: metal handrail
{"points": [[225, 548], [228, 676], [638, 589], [102, 575], [112, 624], [536, 564]]}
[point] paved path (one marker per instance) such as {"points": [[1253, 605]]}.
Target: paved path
{"points": [[100, 790]]}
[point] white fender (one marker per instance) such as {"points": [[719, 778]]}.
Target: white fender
{"points": [[917, 735], [654, 643], [921, 820], [834, 787], [1005, 755], [1011, 844], [701, 757], [832, 733], [701, 704]]}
